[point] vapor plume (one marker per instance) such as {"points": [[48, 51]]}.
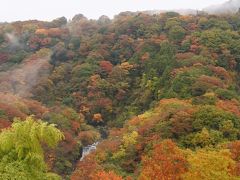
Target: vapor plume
{"points": [[22, 78], [13, 39]]}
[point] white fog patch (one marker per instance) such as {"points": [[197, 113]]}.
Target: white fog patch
{"points": [[231, 6], [22, 78], [13, 39]]}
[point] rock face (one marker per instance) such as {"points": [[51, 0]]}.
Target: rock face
{"points": [[231, 6]]}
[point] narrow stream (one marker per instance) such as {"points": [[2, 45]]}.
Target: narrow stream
{"points": [[88, 149]]}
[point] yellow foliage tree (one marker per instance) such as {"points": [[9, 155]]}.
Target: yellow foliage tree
{"points": [[210, 165], [127, 141]]}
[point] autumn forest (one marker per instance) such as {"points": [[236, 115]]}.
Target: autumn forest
{"points": [[159, 95]]}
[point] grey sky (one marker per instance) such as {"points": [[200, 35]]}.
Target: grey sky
{"points": [[12, 10]]}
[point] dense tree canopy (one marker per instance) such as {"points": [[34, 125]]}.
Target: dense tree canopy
{"points": [[160, 92]]}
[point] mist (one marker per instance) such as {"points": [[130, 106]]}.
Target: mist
{"points": [[13, 40], [231, 6], [22, 78]]}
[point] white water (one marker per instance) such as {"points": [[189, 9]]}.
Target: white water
{"points": [[88, 149]]}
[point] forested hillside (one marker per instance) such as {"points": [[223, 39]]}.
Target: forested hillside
{"points": [[160, 93]]}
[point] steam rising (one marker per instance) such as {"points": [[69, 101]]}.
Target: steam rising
{"points": [[13, 39], [21, 79]]}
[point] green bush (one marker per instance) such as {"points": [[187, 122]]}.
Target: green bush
{"points": [[225, 94]]}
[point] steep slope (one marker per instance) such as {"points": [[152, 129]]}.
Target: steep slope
{"points": [[170, 141]]}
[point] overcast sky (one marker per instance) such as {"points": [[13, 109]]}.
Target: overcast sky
{"points": [[13, 10]]}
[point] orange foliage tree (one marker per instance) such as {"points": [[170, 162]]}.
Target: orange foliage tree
{"points": [[103, 175], [106, 66], [235, 154], [97, 117], [86, 169], [167, 162]]}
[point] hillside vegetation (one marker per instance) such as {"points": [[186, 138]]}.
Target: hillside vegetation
{"points": [[160, 93]]}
